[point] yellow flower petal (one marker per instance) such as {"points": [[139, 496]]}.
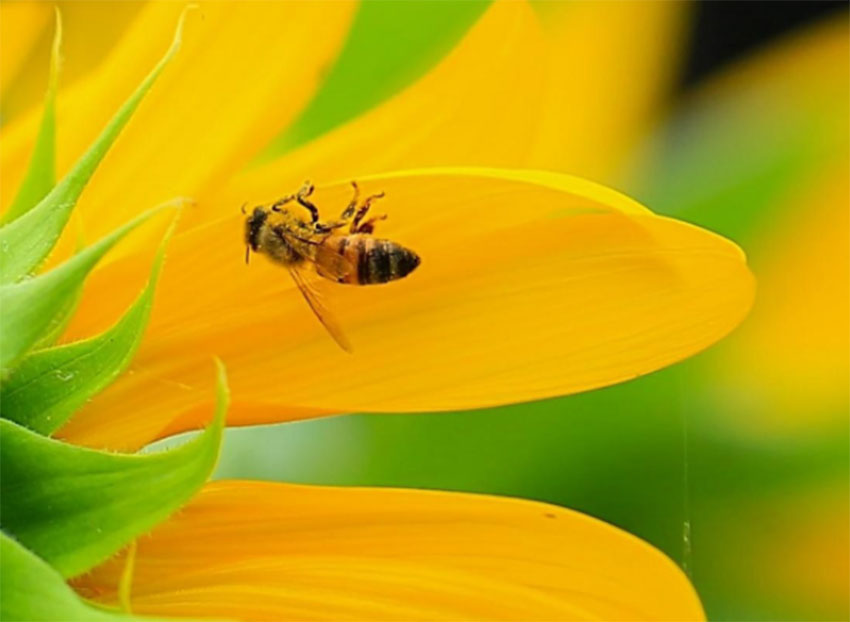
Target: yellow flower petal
{"points": [[567, 91], [263, 551], [91, 33], [493, 79], [87, 105], [611, 65], [245, 69], [22, 24], [532, 285]]}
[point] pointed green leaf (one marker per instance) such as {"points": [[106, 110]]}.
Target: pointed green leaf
{"points": [[74, 507], [60, 322], [32, 591], [49, 385], [30, 306], [41, 174], [64, 314], [27, 240]]}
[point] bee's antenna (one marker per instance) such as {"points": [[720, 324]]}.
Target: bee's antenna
{"points": [[243, 207], [247, 254]]}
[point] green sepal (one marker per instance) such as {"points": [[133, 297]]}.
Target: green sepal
{"points": [[27, 240], [30, 306], [48, 386], [75, 507], [64, 314], [32, 591], [59, 323], [41, 173]]}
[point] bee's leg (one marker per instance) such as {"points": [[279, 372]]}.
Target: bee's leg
{"points": [[328, 227], [369, 225], [348, 212], [301, 197], [281, 202], [361, 213], [314, 211], [306, 189]]}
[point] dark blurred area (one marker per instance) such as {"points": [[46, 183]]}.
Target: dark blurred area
{"points": [[723, 31]]}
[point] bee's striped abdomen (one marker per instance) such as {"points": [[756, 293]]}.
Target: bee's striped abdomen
{"points": [[378, 261], [360, 259]]}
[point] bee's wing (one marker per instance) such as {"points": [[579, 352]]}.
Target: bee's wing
{"points": [[333, 265], [326, 256], [313, 298]]}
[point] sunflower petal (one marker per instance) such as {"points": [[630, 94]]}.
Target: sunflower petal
{"points": [[389, 46], [520, 90], [91, 33], [612, 65], [492, 79], [299, 552], [26, 241], [21, 26], [532, 285], [245, 71]]}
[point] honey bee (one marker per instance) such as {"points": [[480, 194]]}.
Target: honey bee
{"points": [[343, 250]]}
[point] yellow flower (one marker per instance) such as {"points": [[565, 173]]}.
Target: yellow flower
{"points": [[533, 284]]}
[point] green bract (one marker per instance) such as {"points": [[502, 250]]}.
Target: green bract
{"points": [[74, 506], [41, 174], [48, 386], [27, 240], [31, 590], [63, 508], [30, 305]]}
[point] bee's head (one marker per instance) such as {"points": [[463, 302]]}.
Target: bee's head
{"points": [[253, 225]]}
